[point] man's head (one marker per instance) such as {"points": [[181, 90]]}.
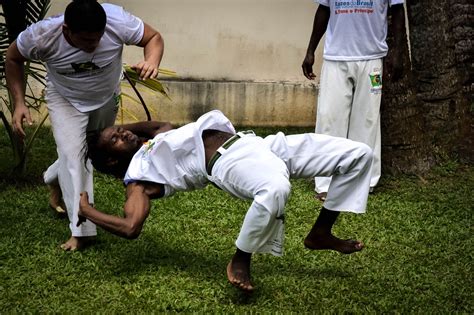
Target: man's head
{"points": [[84, 24], [112, 149]]}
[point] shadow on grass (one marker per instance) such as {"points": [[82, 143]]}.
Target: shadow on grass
{"points": [[147, 254]]}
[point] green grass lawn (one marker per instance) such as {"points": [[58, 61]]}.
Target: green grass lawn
{"points": [[418, 255]]}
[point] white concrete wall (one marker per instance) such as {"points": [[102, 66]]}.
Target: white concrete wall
{"points": [[234, 44]]}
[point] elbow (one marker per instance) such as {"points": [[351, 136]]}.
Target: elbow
{"points": [[156, 40], [132, 231], [160, 39], [167, 126], [162, 127]]}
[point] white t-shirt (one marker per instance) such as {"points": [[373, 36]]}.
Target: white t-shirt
{"points": [[87, 80], [357, 29], [176, 158]]}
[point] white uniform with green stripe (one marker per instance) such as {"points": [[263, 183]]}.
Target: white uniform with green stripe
{"points": [[258, 169]]}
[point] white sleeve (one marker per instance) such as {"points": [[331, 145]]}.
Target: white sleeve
{"points": [[393, 2], [26, 46], [323, 2], [127, 26], [30, 39]]}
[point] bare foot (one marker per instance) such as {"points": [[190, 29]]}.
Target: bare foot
{"points": [[239, 276], [329, 241], [56, 199], [77, 243]]}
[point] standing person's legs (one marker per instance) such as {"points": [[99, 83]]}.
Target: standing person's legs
{"points": [[334, 106], [248, 171], [69, 171], [364, 125], [310, 155], [69, 128]]}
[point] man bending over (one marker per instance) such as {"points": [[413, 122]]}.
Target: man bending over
{"points": [[243, 164]]}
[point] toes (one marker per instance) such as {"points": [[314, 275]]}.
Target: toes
{"points": [[65, 247], [68, 247], [356, 244], [245, 286], [353, 246], [60, 209]]}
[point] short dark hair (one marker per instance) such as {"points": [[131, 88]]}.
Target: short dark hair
{"points": [[100, 157], [85, 16]]}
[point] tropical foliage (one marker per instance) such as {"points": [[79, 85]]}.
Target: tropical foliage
{"points": [[16, 16]]}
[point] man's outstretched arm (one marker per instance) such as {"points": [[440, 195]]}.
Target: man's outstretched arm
{"points": [[136, 210]]}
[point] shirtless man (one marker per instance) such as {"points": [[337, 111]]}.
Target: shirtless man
{"points": [[243, 164]]}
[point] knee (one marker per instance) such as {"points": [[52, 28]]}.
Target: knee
{"points": [[358, 157], [74, 162], [71, 154], [282, 190], [365, 153], [275, 196]]}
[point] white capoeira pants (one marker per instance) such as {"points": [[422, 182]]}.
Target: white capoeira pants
{"points": [[260, 169], [349, 107], [69, 170]]}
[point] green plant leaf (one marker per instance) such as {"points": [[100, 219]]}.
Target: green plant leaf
{"points": [[152, 84]]}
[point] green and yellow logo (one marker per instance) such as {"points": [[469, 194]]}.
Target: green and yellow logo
{"points": [[376, 79]]}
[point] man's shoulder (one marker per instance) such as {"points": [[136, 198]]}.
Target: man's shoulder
{"points": [[47, 26], [40, 38], [111, 7], [128, 27], [113, 11]]}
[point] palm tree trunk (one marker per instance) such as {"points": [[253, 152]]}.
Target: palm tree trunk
{"points": [[427, 116]]}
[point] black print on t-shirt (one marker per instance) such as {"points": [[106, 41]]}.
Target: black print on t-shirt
{"points": [[84, 69], [84, 66]]}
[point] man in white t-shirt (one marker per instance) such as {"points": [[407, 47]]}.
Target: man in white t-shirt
{"points": [[82, 52], [351, 76]]}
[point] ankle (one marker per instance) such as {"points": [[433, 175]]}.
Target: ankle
{"points": [[320, 232], [241, 257]]}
